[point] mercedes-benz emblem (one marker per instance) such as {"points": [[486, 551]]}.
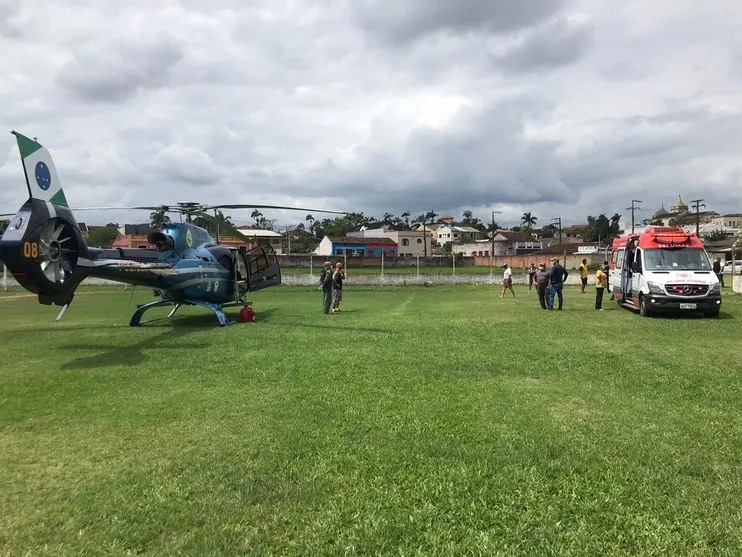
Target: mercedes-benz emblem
{"points": [[687, 289]]}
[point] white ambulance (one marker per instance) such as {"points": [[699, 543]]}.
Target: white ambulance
{"points": [[662, 270]]}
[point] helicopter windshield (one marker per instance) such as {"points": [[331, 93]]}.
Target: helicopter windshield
{"points": [[162, 241]]}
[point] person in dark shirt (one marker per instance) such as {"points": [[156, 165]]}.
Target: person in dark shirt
{"points": [[557, 276], [325, 281], [531, 276], [717, 271], [541, 280]]}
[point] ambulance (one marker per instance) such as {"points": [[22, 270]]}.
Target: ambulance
{"points": [[663, 270]]}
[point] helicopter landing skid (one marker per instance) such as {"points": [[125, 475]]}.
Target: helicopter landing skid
{"points": [[135, 319], [216, 308]]}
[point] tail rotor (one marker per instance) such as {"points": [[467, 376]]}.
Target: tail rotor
{"points": [[57, 251]]}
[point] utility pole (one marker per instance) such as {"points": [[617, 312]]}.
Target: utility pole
{"points": [[558, 221], [632, 209], [492, 235], [696, 204]]}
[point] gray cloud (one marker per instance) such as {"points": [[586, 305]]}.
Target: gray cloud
{"points": [[112, 70], [378, 107], [405, 21], [559, 43], [9, 9]]}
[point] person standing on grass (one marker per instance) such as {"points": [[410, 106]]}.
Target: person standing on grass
{"points": [[541, 279], [337, 287], [583, 274], [557, 276], [325, 281], [531, 275], [507, 281], [601, 281], [607, 271], [718, 270]]}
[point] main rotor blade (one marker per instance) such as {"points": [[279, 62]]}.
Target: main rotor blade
{"points": [[159, 207], [251, 206]]}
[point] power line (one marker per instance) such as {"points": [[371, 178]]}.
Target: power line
{"points": [[492, 232], [632, 209], [558, 220], [696, 204]]}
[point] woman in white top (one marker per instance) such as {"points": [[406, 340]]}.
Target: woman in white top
{"points": [[507, 281]]}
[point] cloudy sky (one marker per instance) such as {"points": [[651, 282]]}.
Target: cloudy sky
{"points": [[561, 108]]}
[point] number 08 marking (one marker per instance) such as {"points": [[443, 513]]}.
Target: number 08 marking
{"points": [[30, 249]]}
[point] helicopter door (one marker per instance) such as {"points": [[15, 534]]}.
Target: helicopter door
{"points": [[262, 267]]}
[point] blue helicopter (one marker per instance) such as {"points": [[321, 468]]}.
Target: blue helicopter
{"points": [[44, 249]]}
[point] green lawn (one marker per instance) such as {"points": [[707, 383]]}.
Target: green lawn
{"points": [[420, 421], [469, 270]]}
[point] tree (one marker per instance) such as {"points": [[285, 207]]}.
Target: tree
{"points": [[715, 236], [548, 231], [102, 237], [388, 217], [598, 229], [158, 218], [406, 217], [262, 222], [614, 229], [301, 241], [469, 220], [339, 226], [528, 221], [493, 227]]}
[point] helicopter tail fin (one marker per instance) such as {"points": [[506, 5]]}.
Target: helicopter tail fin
{"points": [[43, 242], [41, 174]]}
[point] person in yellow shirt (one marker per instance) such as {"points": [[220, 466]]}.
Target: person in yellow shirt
{"points": [[583, 274], [601, 281]]}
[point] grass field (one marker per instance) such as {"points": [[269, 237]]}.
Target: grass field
{"points": [[469, 269], [420, 421]]}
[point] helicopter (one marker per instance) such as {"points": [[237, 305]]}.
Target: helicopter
{"points": [[43, 247]]}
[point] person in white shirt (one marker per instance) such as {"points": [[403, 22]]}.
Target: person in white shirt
{"points": [[507, 281]]}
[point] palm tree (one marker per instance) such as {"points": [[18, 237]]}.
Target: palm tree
{"points": [[528, 221]]}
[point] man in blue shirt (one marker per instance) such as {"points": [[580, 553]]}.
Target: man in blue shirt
{"points": [[557, 276]]}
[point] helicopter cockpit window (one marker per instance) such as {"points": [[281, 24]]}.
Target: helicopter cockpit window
{"points": [[161, 241]]}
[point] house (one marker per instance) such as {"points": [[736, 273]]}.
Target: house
{"points": [[456, 234], [133, 236], [410, 243], [358, 246], [733, 220], [258, 237], [507, 242], [574, 234], [479, 248]]}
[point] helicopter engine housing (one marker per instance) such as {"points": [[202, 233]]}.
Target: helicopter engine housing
{"points": [[41, 247]]}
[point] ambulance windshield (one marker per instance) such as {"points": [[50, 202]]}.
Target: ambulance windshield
{"points": [[676, 259]]}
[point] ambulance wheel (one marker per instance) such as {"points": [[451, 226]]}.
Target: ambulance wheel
{"points": [[643, 309]]}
